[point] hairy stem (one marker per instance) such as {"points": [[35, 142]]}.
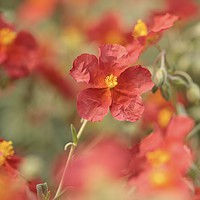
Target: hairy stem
{"points": [[71, 152]]}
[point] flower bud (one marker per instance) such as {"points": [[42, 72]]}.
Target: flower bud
{"points": [[193, 93], [159, 77], [166, 91]]}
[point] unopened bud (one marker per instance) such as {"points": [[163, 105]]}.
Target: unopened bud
{"points": [[159, 77], [193, 93], [166, 91], [43, 191]]}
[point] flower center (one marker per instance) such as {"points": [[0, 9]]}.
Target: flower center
{"points": [[111, 81], [140, 29], [6, 151], [158, 157], [164, 117], [6, 36], [160, 178]]}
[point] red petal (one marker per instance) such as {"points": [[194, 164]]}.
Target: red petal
{"points": [[93, 103], [178, 128], [134, 80], [163, 22], [85, 68], [135, 49], [126, 108], [113, 59], [151, 142]]}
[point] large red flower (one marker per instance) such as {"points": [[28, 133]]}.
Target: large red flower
{"points": [[113, 83]]}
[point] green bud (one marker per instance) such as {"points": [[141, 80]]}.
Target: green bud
{"points": [[43, 192], [166, 91], [193, 93], [159, 77]]}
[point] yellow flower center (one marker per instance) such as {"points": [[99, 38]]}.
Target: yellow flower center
{"points": [[140, 29], [6, 151], [164, 117], [160, 178], [158, 157], [7, 36], [111, 81]]}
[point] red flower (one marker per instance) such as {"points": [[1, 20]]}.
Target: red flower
{"points": [[182, 8], [108, 30], [162, 173], [22, 56], [169, 144], [7, 36], [148, 34], [35, 10], [19, 52], [113, 84], [157, 110]]}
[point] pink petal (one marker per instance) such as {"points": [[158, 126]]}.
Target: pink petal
{"points": [[126, 108], [93, 103], [85, 68], [163, 22], [113, 59], [134, 79], [151, 142], [178, 128], [135, 49]]}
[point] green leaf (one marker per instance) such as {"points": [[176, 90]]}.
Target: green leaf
{"points": [[74, 134]]}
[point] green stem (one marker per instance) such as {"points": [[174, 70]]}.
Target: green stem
{"points": [[71, 152], [193, 132]]}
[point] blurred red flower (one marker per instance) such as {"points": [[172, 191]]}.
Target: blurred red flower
{"points": [[22, 56], [90, 166], [36, 10], [14, 187], [183, 8], [157, 111], [113, 84], [172, 141], [108, 30], [161, 149], [19, 52]]}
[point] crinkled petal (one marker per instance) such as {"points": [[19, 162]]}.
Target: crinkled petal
{"points": [[113, 59], [163, 22], [126, 108], [178, 128], [93, 103], [135, 49], [134, 79], [85, 68]]}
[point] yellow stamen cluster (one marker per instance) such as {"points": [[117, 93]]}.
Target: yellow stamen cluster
{"points": [[111, 81], [7, 36], [6, 151], [140, 29], [164, 117], [158, 157]]}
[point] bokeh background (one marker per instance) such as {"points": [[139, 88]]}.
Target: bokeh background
{"points": [[36, 111]]}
